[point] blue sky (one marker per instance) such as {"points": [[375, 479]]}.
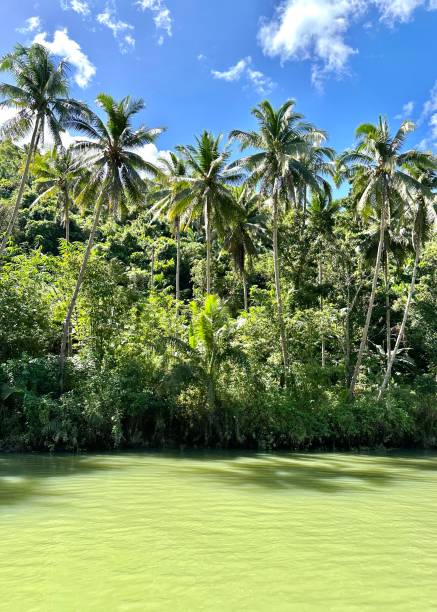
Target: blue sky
{"points": [[205, 63]]}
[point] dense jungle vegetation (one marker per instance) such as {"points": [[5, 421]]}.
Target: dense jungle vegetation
{"points": [[220, 298]]}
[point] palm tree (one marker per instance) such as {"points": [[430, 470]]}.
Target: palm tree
{"points": [[57, 172], [281, 139], [40, 96], [379, 178], [242, 240], [422, 210], [209, 346], [205, 191], [111, 156], [322, 213], [173, 170]]}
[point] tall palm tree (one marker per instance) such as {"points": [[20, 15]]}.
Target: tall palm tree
{"points": [[243, 239], [114, 165], [169, 185], [282, 138], [423, 216], [375, 167], [322, 213], [206, 190], [57, 172], [40, 96]]}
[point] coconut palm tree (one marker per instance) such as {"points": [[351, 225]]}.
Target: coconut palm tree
{"points": [[376, 168], [423, 217], [243, 239], [206, 190], [281, 140], [57, 172], [322, 213], [169, 185], [39, 94], [111, 157]]}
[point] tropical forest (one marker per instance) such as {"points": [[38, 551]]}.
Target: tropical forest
{"points": [[250, 290]]}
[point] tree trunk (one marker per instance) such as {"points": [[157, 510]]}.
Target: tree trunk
{"points": [[178, 260], [13, 219], [152, 270], [321, 309], [403, 325], [387, 303], [245, 292], [79, 282], [67, 217], [369, 308], [208, 245], [284, 349]]}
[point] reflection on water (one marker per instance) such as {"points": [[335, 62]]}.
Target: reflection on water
{"points": [[218, 531]]}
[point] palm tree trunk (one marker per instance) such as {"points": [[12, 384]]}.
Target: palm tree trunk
{"points": [[152, 270], [321, 309], [79, 282], [403, 325], [245, 292], [284, 349], [13, 219], [67, 218], [369, 308], [208, 246], [387, 303], [178, 260]]}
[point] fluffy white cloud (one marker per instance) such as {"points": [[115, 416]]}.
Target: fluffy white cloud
{"points": [[152, 154], [33, 24], [161, 15], [234, 73], [258, 80], [312, 29], [317, 30], [66, 47]]}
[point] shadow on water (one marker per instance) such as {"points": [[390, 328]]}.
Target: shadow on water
{"points": [[22, 477], [318, 473]]}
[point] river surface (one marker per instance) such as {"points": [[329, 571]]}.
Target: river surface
{"points": [[218, 533]]}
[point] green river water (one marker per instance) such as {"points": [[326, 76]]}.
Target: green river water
{"points": [[218, 532]]}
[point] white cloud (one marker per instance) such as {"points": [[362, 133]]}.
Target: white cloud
{"points": [[78, 6], [431, 104], [316, 30], [235, 72], [33, 24], [242, 69], [109, 19], [429, 114], [161, 16], [152, 154], [407, 110], [397, 10], [261, 83], [69, 49], [130, 40]]}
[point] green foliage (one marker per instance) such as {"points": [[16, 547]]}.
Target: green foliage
{"points": [[264, 361]]}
